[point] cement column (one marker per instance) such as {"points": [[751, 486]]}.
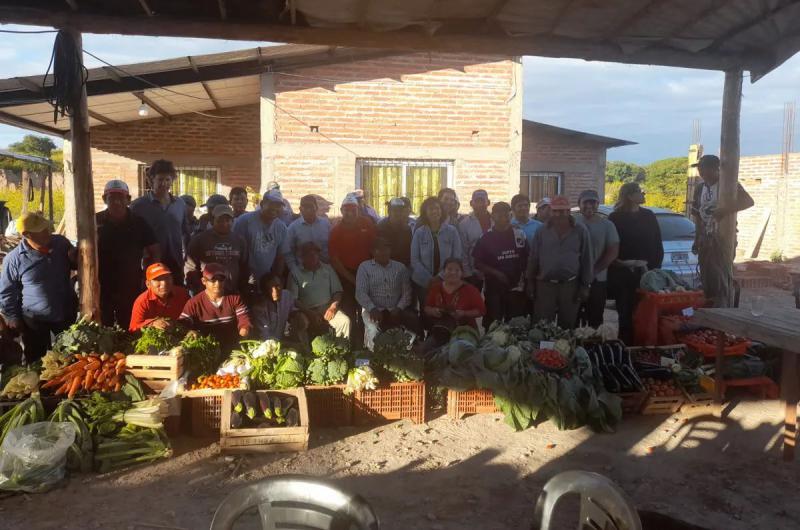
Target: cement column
{"points": [[515, 101], [268, 133]]}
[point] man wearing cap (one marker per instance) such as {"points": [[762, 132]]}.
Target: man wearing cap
{"points": [[308, 227], [501, 255], [286, 214], [707, 213], [206, 220], [521, 208], [265, 235], [383, 290], [605, 249], [212, 312], [349, 246], [318, 295], [323, 205], [166, 215], [123, 239], [238, 200], [560, 267], [161, 304], [471, 228], [36, 294], [218, 245], [364, 208], [543, 210], [396, 230]]}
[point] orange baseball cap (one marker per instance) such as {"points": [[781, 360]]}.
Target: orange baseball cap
{"points": [[156, 270], [559, 202]]}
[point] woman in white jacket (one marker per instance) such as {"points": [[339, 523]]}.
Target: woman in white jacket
{"points": [[433, 242]]}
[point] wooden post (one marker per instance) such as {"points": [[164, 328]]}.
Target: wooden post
{"points": [[50, 191], [84, 199], [729, 176], [26, 190], [42, 190]]}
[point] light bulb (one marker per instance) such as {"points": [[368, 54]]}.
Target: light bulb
{"points": [[144, 110]]}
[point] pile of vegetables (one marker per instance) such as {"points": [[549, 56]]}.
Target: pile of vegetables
{"points": [[359, 379], [662, 281], [392, 353], [131, 445], [90, 372], [216, 381], [331, 360], [79, 455], [708, 337], [267, 365], [153, 341], [263, 409], [88, 336], [53, 363], [24, 383], [202, 354], [24, 413]]}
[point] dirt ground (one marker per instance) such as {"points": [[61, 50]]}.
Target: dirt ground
{"points": [[721, 473]]}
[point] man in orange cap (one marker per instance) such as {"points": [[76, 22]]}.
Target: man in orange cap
{"points": [[560, 266], [161, 302]]}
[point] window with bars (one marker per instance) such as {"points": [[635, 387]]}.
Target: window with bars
{"points": [[540, 184], [384, 179], [198, 181]]}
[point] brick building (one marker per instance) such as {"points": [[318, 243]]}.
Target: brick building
{"points": [[326, 120]]}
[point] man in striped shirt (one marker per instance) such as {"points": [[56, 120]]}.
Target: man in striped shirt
{"points": [[212, 312], [383, 290]]}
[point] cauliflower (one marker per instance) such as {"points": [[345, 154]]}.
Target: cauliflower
{"points": [[361, 378]]}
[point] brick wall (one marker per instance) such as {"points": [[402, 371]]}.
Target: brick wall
{"points": [[232, 145], [582, 162], [456, 107], [776, 203]]}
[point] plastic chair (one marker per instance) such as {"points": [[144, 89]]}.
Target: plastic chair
{"points": [[296, 501], [604, 506]]}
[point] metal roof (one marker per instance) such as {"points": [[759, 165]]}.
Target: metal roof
{"points": [[711, 34], [5, 153], [605, 140]]}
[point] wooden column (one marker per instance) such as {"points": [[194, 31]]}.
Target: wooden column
{"points": [[84, 200], [50, 191], [729, 174], [26, 190]]}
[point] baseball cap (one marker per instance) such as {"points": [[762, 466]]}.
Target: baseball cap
{"points": [[559, 202], [222, 209], [397, 202], [212, 270], [215, 200], [708, 161], [588, 195], [272, 195], [359, 193], [116, 186], [189, 200], [32, 222], [157, 270], [350, 200], [480, 194], [544, 202], [273, 186]]}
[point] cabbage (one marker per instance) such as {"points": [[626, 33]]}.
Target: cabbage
{"points": [[459, 351], [499, 337], [563, 347], [494, 356], [467, 333]]}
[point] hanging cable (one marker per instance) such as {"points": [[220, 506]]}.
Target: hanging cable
{"points": [[67, 65], [26, 32]]}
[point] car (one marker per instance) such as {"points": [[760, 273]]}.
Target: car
{"points": [[677, 237]]}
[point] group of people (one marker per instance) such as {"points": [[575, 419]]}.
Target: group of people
{"points": [[273, 274]]}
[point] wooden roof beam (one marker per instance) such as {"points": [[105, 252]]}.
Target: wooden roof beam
{"points": [[112, 74], [149, 102], [146, 8], [204, 84], [24, 123], [29, 85], [743, 28], [101, 118]]}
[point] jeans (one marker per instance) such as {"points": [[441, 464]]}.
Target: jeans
{"points": [[556, 301]]}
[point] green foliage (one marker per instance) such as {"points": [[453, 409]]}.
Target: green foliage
{"points": [[618, 171], [34, 145], [777, 256], [13, 199], [329, 345]]}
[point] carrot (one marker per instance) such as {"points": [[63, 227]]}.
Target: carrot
{"points": [[119, 355], [53, 382], [62, 389], [92, 366], [87, 381], [76, 366], [104, 357], [103, 375], [74, 385], [120, 365]]}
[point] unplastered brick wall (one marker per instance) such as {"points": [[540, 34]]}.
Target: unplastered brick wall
{"points": [[461, 108], [772, 225], [582, 162], [230, 143]]}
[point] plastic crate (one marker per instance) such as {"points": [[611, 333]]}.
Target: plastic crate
{"points": [[662, 404], [632, 402], [675, 301], [393, 402], [460, 404], [329, 406], [206, 412], [710, 350]]}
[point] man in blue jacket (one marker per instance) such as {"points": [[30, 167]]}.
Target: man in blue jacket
{"points": [[36, 295]]}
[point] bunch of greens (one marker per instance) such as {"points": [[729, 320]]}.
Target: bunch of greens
{"points": [[202, 354], [331, 360], [24, 413], [392, 353], [88, 336], [153, 341], [132, 445], [100, 412], [79, 454]]}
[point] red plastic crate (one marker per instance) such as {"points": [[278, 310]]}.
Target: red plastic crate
{"points": [[394, 402], [329, 406], [710, 350], [460, 404], [673, 302]]}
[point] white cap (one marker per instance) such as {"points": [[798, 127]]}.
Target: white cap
{"points": [[350, 199], [116, 186]]}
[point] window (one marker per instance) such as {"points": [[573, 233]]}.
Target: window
{"points": [[197, 181], [540, 184], [383, 180]]}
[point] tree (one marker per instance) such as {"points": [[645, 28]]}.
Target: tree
{"points": [[617, 171], [666, 183], [33, 145]]}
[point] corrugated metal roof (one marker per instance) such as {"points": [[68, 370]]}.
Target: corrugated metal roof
{"points": [[605, 140]]}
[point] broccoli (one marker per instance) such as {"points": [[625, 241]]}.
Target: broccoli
{"points": [[317, 371], [337, 371], [322, 371]]}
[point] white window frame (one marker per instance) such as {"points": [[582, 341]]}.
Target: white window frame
{"points": [[405, 163], [559, 176]]}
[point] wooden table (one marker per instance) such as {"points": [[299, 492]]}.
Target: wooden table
{"points": [[776, 327]]}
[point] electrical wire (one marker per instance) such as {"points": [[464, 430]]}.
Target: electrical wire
{"points": [[33, 32], [67, 65]]}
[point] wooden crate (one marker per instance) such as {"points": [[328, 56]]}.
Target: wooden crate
{"points": [[460, 404], [701, 402], [393, 402], [155, 371], [632, 402], [329, 406], [267, 440], [662, 404]]}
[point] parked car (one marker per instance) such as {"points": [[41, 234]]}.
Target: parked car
{"points": [[677, 237]]}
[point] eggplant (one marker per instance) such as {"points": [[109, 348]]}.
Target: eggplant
{"points": [[293, 418], [266, 405], [277, 408], [236, 420], [251, 404], [236, 401]]}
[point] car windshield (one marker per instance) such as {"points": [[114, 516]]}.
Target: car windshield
{"points": [[675, 227]]}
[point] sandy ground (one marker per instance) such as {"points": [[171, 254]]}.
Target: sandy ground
{"points": [[454, 474]]}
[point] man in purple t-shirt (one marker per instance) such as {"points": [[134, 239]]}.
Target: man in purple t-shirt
{"points": [[501, 254]]}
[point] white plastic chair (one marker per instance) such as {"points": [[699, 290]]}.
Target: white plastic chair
{"points": [[604, 506], [296, 501]]}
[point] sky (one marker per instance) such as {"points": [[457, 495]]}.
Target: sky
{"points": [[651, 105]]}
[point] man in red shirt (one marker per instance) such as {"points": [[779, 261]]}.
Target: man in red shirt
{"points": [[212, 312], [161, 302], [349, 245]]}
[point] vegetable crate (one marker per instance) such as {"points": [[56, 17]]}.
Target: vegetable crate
{"points": [[632, 402], [700, 402], [662, 404], [394, 402], [205, 412], [265, 440], [674, 301], [460, 404], [155, 371], [710, 350], [329, 406]]}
